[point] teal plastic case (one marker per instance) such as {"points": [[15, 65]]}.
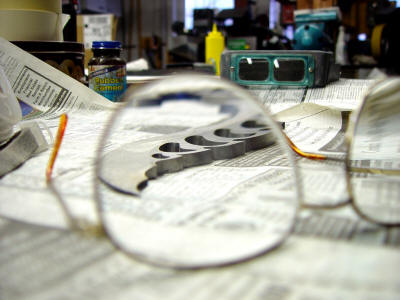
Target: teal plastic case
{"points": [[319, 67], [308, 78]]}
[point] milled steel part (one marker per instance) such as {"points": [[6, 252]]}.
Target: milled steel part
{"points": [[128, 168]]}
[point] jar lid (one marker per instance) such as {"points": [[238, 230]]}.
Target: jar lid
{"points": [[106, 45]]}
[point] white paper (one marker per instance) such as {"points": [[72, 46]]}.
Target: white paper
{"points": [[67, 265], [344, 94], [330, 253], [97, 27], [278, 99], [45, 88]]}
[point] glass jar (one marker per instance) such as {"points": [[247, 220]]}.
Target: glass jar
{"points": [[107, 70]]}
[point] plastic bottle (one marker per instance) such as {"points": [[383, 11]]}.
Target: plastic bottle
{"points": [[107, 70], [215, 45]]}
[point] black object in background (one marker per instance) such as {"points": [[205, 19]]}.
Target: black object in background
{"points": [[71, 8]]}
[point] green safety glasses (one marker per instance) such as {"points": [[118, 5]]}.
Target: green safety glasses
{"points": [[280, 67]]}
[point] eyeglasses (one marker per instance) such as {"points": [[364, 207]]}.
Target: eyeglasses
{"points": [[231, 203], [374, 154]]}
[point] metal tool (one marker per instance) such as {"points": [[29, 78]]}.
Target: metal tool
{"points": [[128, 168]]}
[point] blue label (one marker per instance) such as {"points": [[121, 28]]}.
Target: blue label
{"points": [[108, 81]]}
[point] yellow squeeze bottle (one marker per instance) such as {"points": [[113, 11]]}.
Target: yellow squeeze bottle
{"points": [[215, 45]]}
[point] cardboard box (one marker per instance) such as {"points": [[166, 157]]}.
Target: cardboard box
{"points": [[324, 3], [309, 4], [98, 27], [304, 4]]}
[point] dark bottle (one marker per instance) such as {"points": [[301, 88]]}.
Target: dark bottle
{"points": [[107, 70]]}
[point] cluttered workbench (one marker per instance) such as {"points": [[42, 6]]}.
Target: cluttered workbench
{"points": [[190, 189]]}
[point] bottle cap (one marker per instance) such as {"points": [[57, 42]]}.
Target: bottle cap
{"points": [[215, 32], [106, 45]]}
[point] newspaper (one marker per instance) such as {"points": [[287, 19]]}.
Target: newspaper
{"points": [[276, 98], [74, 169], [323, 254], [344, 94], [68, 265], [49, 91], [315, 128]]}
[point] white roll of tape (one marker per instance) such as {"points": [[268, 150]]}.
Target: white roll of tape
{"points": [[30, 25]]}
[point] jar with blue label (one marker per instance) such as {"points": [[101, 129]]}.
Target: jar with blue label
{"points": [[107, 70]]}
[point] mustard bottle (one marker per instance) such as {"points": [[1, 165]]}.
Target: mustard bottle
{"points": [[215, 45]]}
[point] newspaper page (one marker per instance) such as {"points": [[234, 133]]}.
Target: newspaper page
{"points": [[278, 98], [321, 130], [344, 94], [74, 177], [73, 173], [44, 263], [315, 128], [377, 196], [45, 88], [75, 166], [329, 254]]}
